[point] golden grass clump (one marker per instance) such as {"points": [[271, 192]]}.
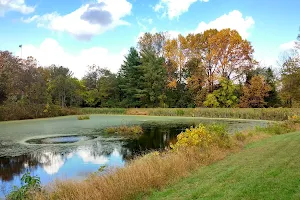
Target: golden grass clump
{"points": [[83, 117], [135, 111], [125, 130]]}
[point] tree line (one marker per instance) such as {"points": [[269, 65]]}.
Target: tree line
{"points": [[209, 69]]}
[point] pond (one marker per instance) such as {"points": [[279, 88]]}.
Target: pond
{"points": [[64, 147]]}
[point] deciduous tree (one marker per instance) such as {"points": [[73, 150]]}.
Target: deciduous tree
{"points": [[255, 92]]}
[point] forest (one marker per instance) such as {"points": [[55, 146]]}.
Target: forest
{"points": [[209, 69]]}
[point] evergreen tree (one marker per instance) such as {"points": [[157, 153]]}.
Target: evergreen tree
{"points": [[130, 76], [152, 93]]}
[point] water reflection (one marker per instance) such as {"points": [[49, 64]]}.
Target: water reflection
{"points": [[51, 163], [59, 165]]}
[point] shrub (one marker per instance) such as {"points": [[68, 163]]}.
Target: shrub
{"points": [[201, 136], [198, 136], [30, 184], [83, 117]]}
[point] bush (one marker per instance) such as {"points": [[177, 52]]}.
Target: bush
{"points": [[30, 184], [198, 136]]}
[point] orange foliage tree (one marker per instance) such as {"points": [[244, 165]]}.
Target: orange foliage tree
{"points": [[219, 53], [254, 93]]}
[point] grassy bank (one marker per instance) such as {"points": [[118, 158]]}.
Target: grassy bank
{"points": [[267, 169], [276, 114]]}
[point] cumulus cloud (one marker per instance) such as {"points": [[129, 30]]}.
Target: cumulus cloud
{"points": [[15, 5], [95, 14], [288, 45], [51, 52], [270, 57], [88, 20], [87, 157], [232, 20], [174, 8], [51, 162]]}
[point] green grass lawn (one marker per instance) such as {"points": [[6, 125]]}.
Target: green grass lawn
{"points": [[269, 169]]}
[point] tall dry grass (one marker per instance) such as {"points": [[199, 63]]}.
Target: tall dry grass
{"points": [[276, 114], [140, 176], [149, 172]]}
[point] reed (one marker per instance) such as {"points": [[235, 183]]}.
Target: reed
{"points": [[275, 114]]}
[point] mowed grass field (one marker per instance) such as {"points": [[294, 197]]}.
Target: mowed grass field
{"points": [[268, 169]]}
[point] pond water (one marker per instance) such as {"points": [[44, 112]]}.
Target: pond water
{"points": [[62, 148]]}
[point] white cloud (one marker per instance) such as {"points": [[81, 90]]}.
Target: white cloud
{"points": [[267, 59], [87, 157], [232, 20], [15, 5], [288, 45], [143, 22], [174, 8], [51, 162], [270, 57], [51, 52], [116, 154], [88, 20]]}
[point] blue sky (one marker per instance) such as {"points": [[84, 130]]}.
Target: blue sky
{"points": [[76, 33]]}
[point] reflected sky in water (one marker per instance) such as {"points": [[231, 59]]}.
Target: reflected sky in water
{"points": [[49, 166]]}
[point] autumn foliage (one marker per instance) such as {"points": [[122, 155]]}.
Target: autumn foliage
{"points": [[215, 68], [255, 92]]}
